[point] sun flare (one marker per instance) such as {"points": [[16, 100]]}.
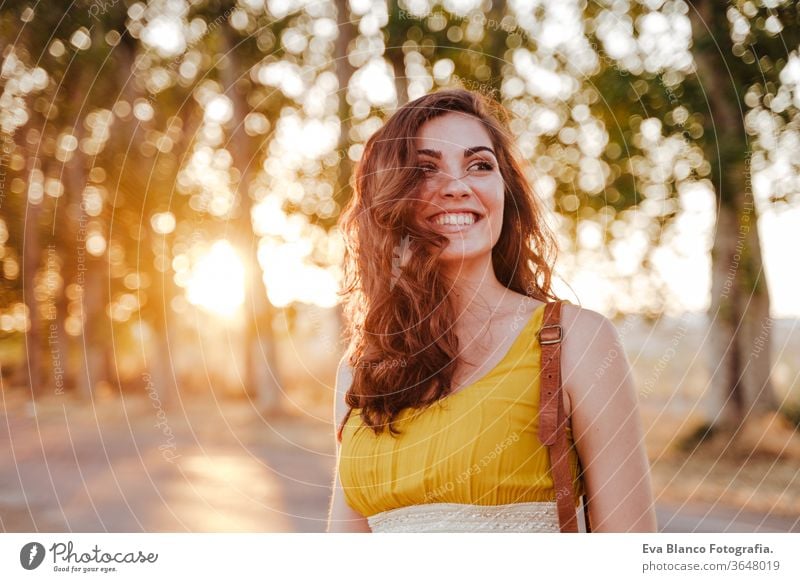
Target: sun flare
{"points": [[217, 281]]}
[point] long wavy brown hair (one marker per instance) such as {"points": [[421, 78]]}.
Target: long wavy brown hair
{"points": [[399, 316]]}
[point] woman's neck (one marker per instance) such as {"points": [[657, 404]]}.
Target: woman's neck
{"points": [[478, 294]]}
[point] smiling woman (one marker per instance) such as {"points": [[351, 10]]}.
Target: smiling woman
{"points": [[447, 271]]}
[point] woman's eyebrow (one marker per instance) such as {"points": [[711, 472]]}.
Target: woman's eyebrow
{"points": [[470, 151], [467, 152]]}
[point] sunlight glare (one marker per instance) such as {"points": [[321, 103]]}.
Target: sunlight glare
{"points": [[289, 277], [165, 34], [217, 281]]}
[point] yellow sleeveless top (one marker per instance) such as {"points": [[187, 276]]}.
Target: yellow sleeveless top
{"points": [[478, 446]]}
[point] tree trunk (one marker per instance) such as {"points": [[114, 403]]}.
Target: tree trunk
{"points": [[397, 59], [496, 49], [739, 348], [93, 340], [68, 214], [58, 342], [64, 378], [262, 373], [73, 188], [344, 71], [394, 51], [31, 258], [94, 363], [162, 385]]}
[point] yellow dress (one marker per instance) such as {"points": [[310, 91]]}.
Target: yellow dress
{"points": [[476, 451]]}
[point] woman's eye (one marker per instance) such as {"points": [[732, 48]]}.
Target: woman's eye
{"points": [[486, 166]]}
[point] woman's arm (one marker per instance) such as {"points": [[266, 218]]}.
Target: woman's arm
{"points": [[605, 423], [342, 517]]}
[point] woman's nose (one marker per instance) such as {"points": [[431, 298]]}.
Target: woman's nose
{"points": [[453, 186]]}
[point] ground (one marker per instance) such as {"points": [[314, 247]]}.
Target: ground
{"points": [[129, 466]]}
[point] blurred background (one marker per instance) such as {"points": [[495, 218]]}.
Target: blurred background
{"points": [[172, 173]]}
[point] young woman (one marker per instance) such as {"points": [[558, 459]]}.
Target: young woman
{"points": [[448, 270]]}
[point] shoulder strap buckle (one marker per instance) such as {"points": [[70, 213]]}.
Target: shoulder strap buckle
{"points": [[550, 334]]}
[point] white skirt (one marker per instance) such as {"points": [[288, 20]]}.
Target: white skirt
{"points": [[464, 518]]}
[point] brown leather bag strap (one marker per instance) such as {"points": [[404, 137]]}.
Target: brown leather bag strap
{"points": [[553, 420]]}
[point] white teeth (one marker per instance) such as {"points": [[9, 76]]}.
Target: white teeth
{"points": [[456, 219]]}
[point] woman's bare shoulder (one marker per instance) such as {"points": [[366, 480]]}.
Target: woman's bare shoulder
{"points": [[579, 321], [591, 348]]}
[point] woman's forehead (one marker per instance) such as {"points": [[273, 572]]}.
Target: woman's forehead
{"points": [[452, 131]]}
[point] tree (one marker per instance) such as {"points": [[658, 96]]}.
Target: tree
{"points": [[740, 74]]}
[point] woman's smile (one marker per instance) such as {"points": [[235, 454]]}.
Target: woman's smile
{"points": [[446, 222]]}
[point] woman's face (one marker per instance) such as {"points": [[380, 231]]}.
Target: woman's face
{"points": [[462, 189]]}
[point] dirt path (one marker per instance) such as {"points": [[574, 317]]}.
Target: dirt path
{"points": [[710, 518], [122, 468]]}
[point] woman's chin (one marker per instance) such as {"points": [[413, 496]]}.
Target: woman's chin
{"points": [[455, 256]]}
